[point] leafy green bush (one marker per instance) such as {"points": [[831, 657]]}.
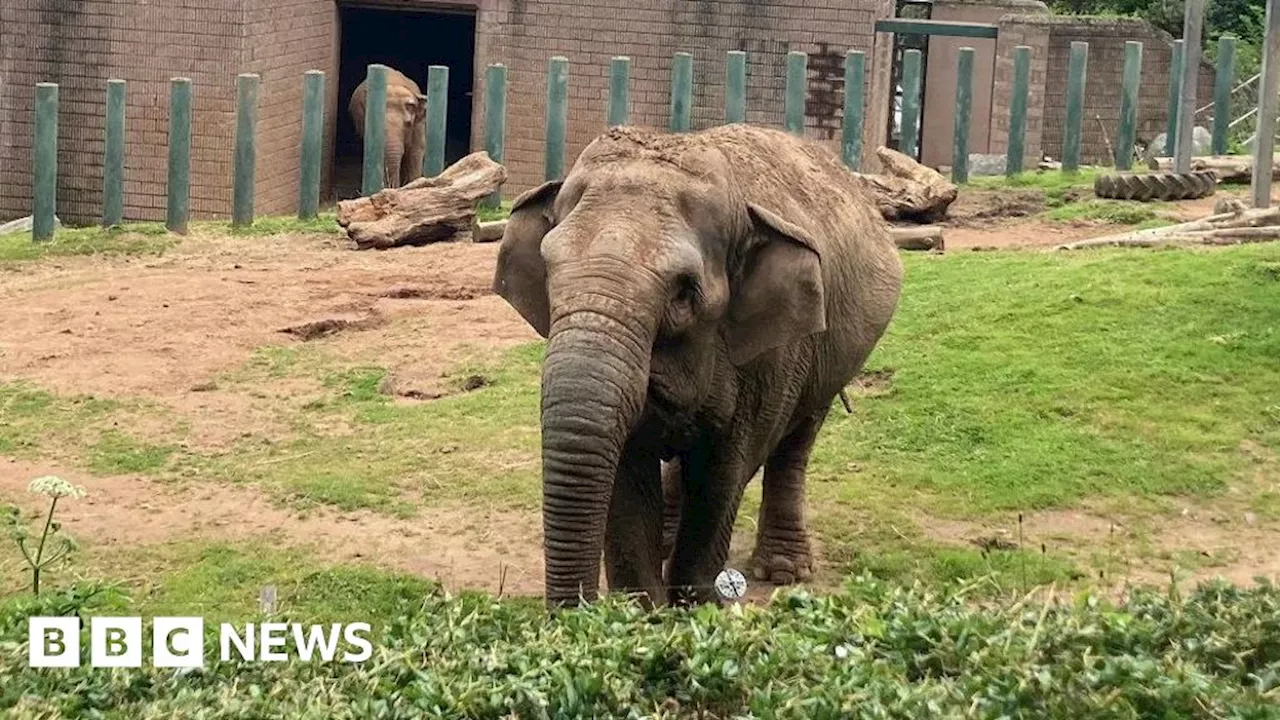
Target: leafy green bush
{"points": [[871, 650]]}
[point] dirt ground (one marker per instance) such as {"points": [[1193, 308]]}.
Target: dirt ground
{"points": [[161, 327]]}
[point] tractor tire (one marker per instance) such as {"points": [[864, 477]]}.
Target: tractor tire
{"points": [[1143, 187]]}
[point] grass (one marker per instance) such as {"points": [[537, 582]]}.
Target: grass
{"points": [[1115, 212], [132, 239]]}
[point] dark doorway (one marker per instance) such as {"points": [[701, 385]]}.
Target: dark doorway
{"points": [[409, 41]]}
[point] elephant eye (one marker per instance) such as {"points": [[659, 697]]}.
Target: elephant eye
{"points": [[686, 289]]}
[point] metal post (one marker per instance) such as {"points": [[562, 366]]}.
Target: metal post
{"points": [[1222, 93], [735, 87], [113, 157], [854, 108], [557, 116], [178, 209], [910, 102], [45, 163], [1018, 110], [681, 93], [1192, 24], [1269, 87], [437, 119], [375, 130], [1077, 72], [243, 172], [495, 122], [312, 144], [1175, 92], [1127, 132], [797, 80], [964, 106], [619, 90]]}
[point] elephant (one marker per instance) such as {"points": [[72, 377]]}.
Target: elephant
{"points": [[704, 298], [406, 127]]}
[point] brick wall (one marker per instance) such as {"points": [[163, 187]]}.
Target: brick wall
{"points": [[79, 44], [523, 34], [1015, 31]]}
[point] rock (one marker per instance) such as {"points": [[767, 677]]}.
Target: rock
{"points": [[24, 225], [1201, 143], [987, 164]]}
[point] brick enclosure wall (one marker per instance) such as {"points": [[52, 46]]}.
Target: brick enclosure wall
{"points": [[523, 34], [79, 44], [1014, 31], [1106, 38]]}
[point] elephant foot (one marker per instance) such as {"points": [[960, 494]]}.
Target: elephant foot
{"points": [[782, 562]]}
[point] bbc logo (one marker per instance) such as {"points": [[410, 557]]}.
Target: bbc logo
{"points": [[177, 642]]}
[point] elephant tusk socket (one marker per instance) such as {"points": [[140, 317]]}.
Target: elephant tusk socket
{"points": [[844, 398]]}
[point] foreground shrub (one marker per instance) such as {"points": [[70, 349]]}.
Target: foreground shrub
{"points": [[869, 651]]}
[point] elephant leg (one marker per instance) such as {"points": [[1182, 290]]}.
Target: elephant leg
{"points": [[672, 480], [633, 536], [782, 555], [712, 490], [412, 169]]}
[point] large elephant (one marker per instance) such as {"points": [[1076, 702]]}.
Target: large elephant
{"points": [[406, 127], [705, 297]]}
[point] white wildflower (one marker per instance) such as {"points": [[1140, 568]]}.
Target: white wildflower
{"points": [[54, 486]]}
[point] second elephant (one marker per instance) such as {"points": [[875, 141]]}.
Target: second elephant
{"points": [[405, 127]]}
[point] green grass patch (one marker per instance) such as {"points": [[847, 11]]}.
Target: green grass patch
{"points": [[1116, 212], [324, 224], [487, 214], [1051, 182], [131, 239]]}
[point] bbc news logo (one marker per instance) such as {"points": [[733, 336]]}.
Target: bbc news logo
{"points": [[178, 642]]}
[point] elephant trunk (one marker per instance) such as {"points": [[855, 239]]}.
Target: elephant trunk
{"points": [[595, 378], [392, 157]]}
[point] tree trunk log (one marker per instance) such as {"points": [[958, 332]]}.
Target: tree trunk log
{"points": [[1229, 168], [925, 237], [908, 191], [1259, 225], [427, 210]]}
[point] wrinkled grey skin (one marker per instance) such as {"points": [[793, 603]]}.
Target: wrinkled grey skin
{"points": [[705, 297], [406, 127]]}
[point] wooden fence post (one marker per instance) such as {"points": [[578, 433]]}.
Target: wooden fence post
{"points": [[1175, 91], [908, 141], [495, 122], [312, 144], [735, 87], [45, 163], [960, 125], [1077, 70], [113, 157], [681, 93], [557, 116], [854, 108], [797, 82], [244, 171], [1222, 93], [178, 210], [437, 119], [1018, 111], [1268, 99], [1127, 132], [375, 130], [619, 91], [1191, 27]]}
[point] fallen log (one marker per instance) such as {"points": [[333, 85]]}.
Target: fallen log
{"points": [[1258, 225], [925, 237], [427, 210], [907, 191], [1229, 168]]}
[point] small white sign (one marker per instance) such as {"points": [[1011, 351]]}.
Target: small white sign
{"points": [[731, 584]]}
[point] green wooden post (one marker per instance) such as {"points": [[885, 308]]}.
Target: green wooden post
{"points": [[495, 122], [619, 87], [797, 82], [437, 119], [246, 150], [909, 141], [681, 93], [735, 87], [1077, 70], [375, 130], [178, 209], [1127, 132], [45, 161], [557, 116], [113, 157], [854, 108], [964, 108], [1018, 110], [312, 144], [1222, 92], [1175, 90]]}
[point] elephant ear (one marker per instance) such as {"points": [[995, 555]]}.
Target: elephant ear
{"points": [[778, 297], [521, 276]]}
